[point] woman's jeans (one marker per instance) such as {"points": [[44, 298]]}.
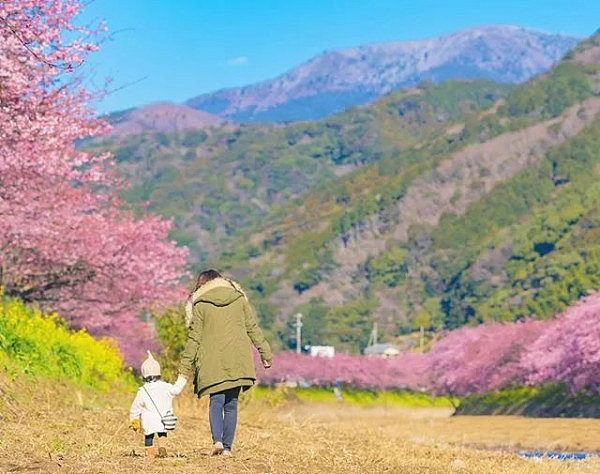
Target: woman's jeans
{"points": [[223, 416]]}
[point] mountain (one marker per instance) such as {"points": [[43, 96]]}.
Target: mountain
{"points": [[161, 117], [338, 79], [436, 206], [221, 182]]}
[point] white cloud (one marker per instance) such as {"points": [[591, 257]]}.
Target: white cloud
{"points": [[239, 61]]}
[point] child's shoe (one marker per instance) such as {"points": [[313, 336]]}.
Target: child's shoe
{"points": [[162, 447], [151, 452], [217, 449]]}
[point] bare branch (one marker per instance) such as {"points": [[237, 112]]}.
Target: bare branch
{"points": [[125, 86]]}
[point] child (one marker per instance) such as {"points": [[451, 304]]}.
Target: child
{"points": [[154, 400]]}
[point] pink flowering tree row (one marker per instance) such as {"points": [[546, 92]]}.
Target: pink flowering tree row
{"points": [[565, 349], [66, 240], [482, 358], [408, 371], [471, 359], [569, 349]]}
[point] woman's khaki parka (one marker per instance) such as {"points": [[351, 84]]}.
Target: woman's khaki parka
{"points": [[222, 329]]}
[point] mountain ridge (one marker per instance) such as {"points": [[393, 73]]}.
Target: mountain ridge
{"points": [[336, 79]]}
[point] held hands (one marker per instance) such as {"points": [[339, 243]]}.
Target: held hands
{"points": [[135, 425]]}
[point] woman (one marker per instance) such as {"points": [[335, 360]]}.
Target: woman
{"points": [[222, 325]]}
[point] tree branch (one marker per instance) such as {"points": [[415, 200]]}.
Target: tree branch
{"points": [[25, 44]]}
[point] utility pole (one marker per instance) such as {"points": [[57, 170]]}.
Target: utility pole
{"points": [[298, 332], [375, 333], [373, 336]]}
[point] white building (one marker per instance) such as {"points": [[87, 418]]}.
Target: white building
{"points": [[322, 351]]}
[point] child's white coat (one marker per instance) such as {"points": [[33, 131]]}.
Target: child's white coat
{"points": [[162, 394]]}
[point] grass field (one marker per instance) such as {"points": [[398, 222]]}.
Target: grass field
{"points": [[362, 398], [47, 428]]}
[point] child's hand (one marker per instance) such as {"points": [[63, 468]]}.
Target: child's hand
{"points": [[135, 425]]}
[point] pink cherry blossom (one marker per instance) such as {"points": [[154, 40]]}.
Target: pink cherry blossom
{"points": [[482, 358], [569, 349], [67, 241], [406, 371]]}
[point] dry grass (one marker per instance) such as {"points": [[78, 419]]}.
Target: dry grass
{"points": [[53, 429]]}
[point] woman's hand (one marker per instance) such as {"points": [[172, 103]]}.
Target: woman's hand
{"points": [[266, 364]]}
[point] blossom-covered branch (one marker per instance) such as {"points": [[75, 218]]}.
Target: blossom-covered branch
{"points": [[67, 241]]}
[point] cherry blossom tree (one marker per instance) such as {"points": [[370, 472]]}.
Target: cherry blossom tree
{"points": [[406, 371], [67, 241], [482, 358], [487, 357], [569, 349]]}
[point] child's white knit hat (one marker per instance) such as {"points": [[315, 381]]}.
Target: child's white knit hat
{"points": [[150, 367]]}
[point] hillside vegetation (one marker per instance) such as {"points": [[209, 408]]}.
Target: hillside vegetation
{"points": [[442, 205], [227, 182]]}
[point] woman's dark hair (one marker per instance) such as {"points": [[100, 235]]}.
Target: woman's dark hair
{"points": [[206, 276]]}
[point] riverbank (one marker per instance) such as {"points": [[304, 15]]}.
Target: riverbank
{"points": [[545, 401]]}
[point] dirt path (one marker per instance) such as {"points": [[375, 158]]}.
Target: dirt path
{"points": [[57, 431]]}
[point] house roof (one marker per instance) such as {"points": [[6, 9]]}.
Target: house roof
{"points": [[381, 348]]}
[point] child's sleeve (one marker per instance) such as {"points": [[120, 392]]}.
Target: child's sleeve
{"points": [[136, 407], [177, 387]]}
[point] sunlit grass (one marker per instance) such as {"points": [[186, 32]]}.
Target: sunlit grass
{"points": [[47, 427], [356, 397]]}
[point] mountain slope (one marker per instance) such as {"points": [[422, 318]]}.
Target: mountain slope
{"points": [[450, 188], [337, 79], [221, 183], [441, 205], [461, 249], [161, 117]]}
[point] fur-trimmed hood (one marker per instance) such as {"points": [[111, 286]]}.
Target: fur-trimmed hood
{"points": [[217, 283]]}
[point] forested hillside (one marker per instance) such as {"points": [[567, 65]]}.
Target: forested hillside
{"points": [[437, 206], [223, 182]]}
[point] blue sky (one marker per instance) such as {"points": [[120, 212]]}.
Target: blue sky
{"points": [[182, 48]]}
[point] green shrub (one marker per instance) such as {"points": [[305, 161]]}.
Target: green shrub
{"points": [[172, 334], [388, 268]]}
